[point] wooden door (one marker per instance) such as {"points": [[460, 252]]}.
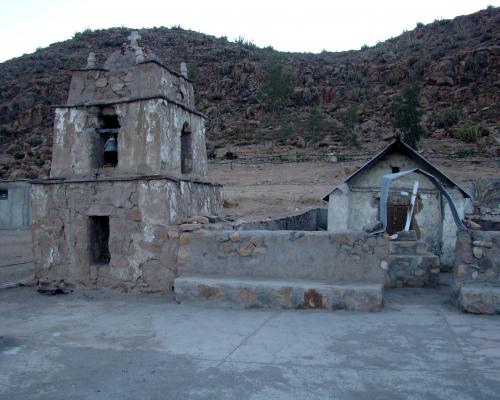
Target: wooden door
{"points": [[396, 218]]}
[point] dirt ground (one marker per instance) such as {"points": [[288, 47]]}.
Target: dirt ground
{"points": [[261, 190], [16, 257]]}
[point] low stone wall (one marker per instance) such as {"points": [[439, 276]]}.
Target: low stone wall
{"points": [[476, 285], [322, 256], [410, 264], [143, 237], [312, 220], [487, 222]]}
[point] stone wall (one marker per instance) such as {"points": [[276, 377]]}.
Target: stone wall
{"points": [[311, 220], [487, 222], [477, 271], [410, 263], [321, 256], [143, 237], [15, 206]]}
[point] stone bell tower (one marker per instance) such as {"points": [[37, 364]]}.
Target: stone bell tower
{"points": [[146, 109], [128, 161]]}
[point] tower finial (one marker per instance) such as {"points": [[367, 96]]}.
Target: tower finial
{"points": [[184, 70], [134, 37], [91, 60]]}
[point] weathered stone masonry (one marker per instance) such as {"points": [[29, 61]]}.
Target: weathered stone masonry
{"points": [[283, 269], [111, 221], [477, 272], [143, 234]]}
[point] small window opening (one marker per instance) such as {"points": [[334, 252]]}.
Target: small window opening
{"points": [[4, 194], [109, 126], [99, 240], [186, 150], [395, 170]]}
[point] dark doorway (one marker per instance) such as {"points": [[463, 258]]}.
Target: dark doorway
{"points": [[186, 150], [99, 239]]}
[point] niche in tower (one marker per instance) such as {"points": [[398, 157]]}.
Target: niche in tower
{"points": [[99, 240], [186, 149]]}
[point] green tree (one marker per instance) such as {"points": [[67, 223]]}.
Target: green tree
{"points": [[285, 134], [407, 114], [276, 86], [315, 124], [192, 72], [349, 129]]}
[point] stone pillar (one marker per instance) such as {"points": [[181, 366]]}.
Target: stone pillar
{"points": [[91, 61], [184, 70], [338, 209]]}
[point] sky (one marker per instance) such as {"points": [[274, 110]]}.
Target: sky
{"points": [[303, 26]]}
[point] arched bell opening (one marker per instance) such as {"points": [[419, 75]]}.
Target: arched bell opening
{"points": [[186, 149], [108, 129]]}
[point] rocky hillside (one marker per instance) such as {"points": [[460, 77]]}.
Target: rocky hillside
{"points": [[335, 97]]}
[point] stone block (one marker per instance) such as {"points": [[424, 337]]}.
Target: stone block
{"points": [[226, 247], [245, 249], [413, 270], [161, 233], [257, 240], [479, 299], [407, 247], [134, 215], [189, 227], [260, 251], [235, 236], [276, 294], [214, 219], [183, 239], [381, 252], [477, 252], [182, 256], [193, 220], [410, 235], [156, 277], [482, 243]]}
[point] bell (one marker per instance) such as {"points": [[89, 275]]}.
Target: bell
{"points": [[110, 145]]}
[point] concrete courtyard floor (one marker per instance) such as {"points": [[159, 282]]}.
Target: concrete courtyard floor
{"points": [[103, 345]]}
